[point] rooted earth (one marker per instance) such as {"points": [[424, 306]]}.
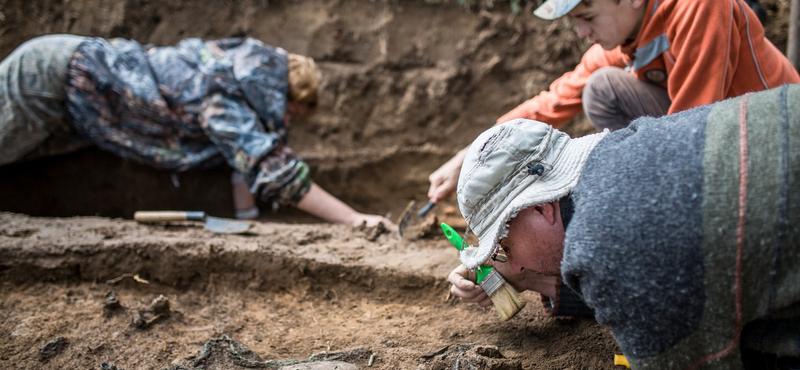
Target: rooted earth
{"points": [[406, 84]]}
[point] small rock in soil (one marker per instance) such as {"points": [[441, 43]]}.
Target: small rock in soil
{"points": [[52, 348], [160, 305], [111, 302]]}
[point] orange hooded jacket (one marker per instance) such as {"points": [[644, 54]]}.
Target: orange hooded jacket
{"points": [[701, 51]]}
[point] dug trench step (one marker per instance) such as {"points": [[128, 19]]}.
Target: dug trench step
{"points": [[274, 256]]}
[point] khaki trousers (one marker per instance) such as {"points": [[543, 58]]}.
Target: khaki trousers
{"points": [[33, 115], [612, 98]]}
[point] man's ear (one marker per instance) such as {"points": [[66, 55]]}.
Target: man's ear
{"points": [[550, 211], [637, 4]]}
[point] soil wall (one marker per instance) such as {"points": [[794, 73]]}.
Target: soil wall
{"points": [[405, 85]]}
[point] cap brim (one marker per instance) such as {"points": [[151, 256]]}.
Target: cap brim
{"points": [[554, 9], [553, 185]]}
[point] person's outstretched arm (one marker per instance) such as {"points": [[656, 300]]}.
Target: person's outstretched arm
{"points": [[322, 204], [445, 179], [280, 178], [555, 106]]}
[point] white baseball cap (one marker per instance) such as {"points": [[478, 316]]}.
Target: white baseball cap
{"points": [[554, 9]]}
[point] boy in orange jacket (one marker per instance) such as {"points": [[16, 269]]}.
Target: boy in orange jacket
{"points": [[649, 58]]}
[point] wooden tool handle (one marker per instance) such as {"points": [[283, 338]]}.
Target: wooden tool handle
{"points": [[163, 216]]}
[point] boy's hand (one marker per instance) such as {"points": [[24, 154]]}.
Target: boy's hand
{"points": [[445, 179], [371, 220]]}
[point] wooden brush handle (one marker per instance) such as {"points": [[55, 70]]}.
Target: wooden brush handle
{"points": [[163, 216]]}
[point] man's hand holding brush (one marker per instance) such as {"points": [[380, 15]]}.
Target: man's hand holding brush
{"points": [[464, 286]]}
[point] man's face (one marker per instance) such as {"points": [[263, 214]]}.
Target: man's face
{"points": [[535, 240], [609, 23]]}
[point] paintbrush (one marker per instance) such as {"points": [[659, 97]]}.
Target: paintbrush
{"points": [[506, 300]]}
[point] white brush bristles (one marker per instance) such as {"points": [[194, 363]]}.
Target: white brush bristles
{"points": [[507, 301]]}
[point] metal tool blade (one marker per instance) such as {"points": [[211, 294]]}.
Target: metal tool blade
{"points": [[405, 217], [226, 226]]}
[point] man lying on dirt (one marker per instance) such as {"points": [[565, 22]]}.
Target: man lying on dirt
{"points": [[680, 232], [193, 105], [649, 58]]}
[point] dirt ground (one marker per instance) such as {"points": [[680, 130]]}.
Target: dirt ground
{"points": [[405, 85], [285, 291]]}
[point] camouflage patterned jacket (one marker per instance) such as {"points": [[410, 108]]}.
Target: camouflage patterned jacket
{"points": [[189, 106]]}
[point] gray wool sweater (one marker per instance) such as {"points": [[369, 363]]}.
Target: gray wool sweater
{"points": [[686, 233]]}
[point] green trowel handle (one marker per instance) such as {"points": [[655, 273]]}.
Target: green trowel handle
{"points": [[458, 242]]}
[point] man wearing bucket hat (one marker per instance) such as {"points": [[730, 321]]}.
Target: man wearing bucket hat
{"points": [[649, 58], [679, 232]]}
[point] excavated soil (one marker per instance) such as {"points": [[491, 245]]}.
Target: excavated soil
{"points": [[286, 292], [405, 85]]}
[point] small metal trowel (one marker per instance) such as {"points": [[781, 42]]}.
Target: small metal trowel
{"points": [[407, 217], [213, 224]]}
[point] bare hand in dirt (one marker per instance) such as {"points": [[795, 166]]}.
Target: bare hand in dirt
{"points": [[445, 179], [371, 220], [527, 280], [464, 287]]}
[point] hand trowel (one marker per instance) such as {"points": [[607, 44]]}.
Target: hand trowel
{"points": [[213, 224]]}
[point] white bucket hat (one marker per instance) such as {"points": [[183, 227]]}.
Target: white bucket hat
{"points": [[510, 167], [554, 9]]}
